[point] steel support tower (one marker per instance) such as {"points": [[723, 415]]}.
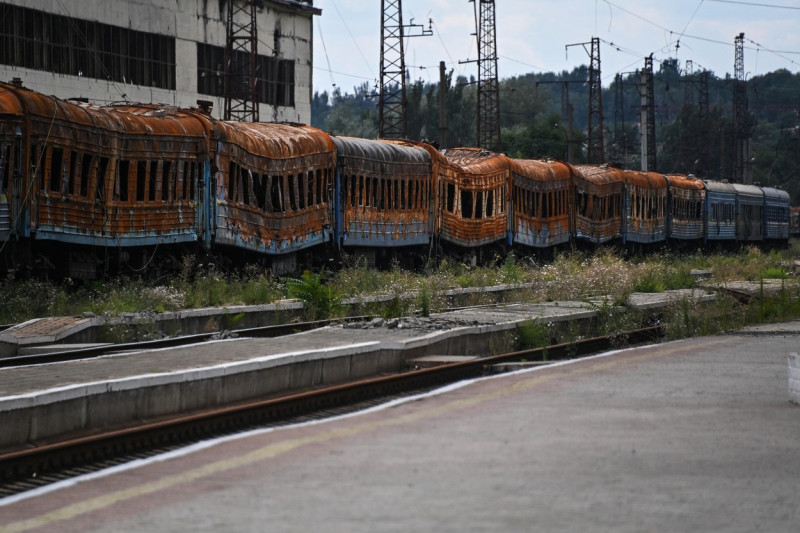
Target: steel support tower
{"points": [[488, 125], [392, 103], [741, 129], [595, 148], [241, 51]]}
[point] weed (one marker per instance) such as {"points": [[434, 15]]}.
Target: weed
{"points": [[321, 302]]}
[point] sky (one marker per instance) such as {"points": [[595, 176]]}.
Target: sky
{"points": [[532, 36]]}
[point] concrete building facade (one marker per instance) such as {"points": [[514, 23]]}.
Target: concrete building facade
{"points": [[156, 51]]}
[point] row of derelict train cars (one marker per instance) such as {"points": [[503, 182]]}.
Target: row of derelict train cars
{"points": [[90, 189]]}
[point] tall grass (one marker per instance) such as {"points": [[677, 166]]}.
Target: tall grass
{"points": [[600, 276]]}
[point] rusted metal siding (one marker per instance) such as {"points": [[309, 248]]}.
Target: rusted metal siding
{"points": [[776, 213], [11, 119], [385, 189], [135, 174], [475, 202], [541, 200], [720, 211], [598, 211], [645, 207], [685, 213], [273, 186], [749, 212]]}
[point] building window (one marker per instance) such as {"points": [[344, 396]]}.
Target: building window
{"points": [[275, 76], [65, 45]]}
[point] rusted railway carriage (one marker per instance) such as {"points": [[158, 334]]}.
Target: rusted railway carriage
{"points": [[541, 203], [383, 191], [272, 189], [474, 210], [686, 220], [599, 194], [645, 218]]}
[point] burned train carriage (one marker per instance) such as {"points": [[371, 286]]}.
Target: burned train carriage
{"points": [[89, 189]]}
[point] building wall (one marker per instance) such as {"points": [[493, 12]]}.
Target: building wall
{"points": [[287, 23]]}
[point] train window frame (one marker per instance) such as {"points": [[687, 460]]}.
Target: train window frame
{"points": [[152, 180], [56, 161], [123, 175], [100, 181]]}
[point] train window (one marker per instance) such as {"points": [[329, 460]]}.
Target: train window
{"points": [[166, 166], [100, 189], [56, 160], [151, 191], [466, 204], [259, 191], [86, 166], [310, 188], [276, 193], [141, 180], [123, 167], [5, 152], [301, 198], [292, 193], [451, 197], [232, 174], [244, 175], [352, 190], [319, 187], [193, 178], [183, 178]]}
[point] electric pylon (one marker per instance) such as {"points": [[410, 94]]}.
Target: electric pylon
{"points": [[392, 121], [741, 129], [241, 52], [488, 126]]}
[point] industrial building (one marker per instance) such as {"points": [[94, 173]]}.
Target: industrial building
{"points": [[157, 51]]}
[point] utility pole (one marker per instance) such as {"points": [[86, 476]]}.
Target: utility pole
{"points": [[241, 53], [648, 116], [595, 150], [392, 121], [488, 127], [442, 106], [741, 129]]}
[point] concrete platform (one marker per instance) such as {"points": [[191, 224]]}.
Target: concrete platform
{"points": [[42, 403], [695, 435]]}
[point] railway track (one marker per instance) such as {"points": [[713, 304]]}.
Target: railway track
{"points": [[29, 468]]}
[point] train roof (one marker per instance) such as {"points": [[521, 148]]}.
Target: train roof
{"points": [[9, 103], [776, 194], [274, 140], [646, 180], [476, 160], [748, 190], [377, 150], [600, 174], [541, 170], [681, 181], [719, 187]]}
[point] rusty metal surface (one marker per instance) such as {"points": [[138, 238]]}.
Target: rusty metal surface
{"points": [[385, 189], [687, 196], [599, 194], [135, 174], [11, 116], [541, 196], [646, 207], [273, 186], [475, 204]]}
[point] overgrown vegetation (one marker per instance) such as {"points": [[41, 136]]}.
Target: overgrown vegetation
{"points": [[604, 280]]}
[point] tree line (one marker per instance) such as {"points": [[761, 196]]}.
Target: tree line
{"points": [[690, 138]]}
